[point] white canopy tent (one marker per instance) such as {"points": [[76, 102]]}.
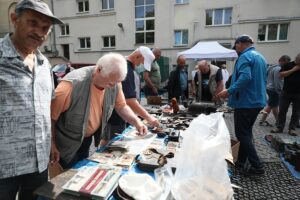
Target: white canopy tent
{"points": [[209, 51]]}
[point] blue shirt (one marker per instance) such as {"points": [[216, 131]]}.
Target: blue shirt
{"points": [[183, 80], [248, 86]]}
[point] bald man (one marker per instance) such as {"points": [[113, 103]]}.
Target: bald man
{"points": [[208, 81]]}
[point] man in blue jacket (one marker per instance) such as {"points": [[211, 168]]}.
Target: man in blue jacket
{"points": [[247, 95]]}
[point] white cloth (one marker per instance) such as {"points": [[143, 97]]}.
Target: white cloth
{"points": [[194, 73], [140, 186], [225, 75]]}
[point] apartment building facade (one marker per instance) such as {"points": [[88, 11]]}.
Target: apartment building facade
{"points": [[95, 27]]}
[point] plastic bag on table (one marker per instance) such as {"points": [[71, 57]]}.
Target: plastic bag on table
{"points": [[164, 177], [201, 171]]}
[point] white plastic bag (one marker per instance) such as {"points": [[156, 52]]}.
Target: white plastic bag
{"points": [[201, 168]]}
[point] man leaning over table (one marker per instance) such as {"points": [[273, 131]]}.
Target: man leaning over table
{"points": [[26, 91], [84, 101], [141, 56]]}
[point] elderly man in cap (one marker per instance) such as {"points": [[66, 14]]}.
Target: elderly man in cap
{"points": [[142, 55], [85, 99], [26, 92], [247, 95]]}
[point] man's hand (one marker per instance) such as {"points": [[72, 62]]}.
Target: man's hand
{"points": [[223, 94], [103, 142], [153, 121], [141, 128], [296, 68], [154, 90], [194, 93], [54, 154]]}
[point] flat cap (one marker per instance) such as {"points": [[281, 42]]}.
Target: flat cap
{"points": [[38, 6]]}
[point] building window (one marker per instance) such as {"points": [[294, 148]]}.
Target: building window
{"points": [[64, 30], [144, 21], [85, 43], [181, 37], [182, 1], [108, 4], [272, 32], [220, 16], [83, 6], [109, 41]]}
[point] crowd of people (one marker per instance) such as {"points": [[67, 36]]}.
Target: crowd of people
{"points": [[41, 124]]}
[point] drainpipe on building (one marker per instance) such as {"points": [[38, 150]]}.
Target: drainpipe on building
{"points": [[53, 48]]}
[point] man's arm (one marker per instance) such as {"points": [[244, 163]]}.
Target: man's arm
{"points": [[220, 84], [54, 154], [58, 105], [283, 74], [140, 111], [220, 87], [148, 82], [128, 115]]}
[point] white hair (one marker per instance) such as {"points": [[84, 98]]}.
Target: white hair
{"points": [[113, 63]]}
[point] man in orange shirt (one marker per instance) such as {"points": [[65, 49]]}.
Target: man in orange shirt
{"points": [[84, 101]]}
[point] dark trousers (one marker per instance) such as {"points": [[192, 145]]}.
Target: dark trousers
{"points": [[243, 123], [82, 153], [24, 184], [284, 103]]}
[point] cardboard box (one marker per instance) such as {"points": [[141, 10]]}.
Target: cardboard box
{"points": [[54, 170], [154, 100], [235, 146]]}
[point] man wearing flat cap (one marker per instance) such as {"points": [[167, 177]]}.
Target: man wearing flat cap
{"points": [[247, 95], [25, 96]]}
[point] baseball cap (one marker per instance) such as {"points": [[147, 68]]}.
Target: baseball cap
{"points": [[243, 38], [148, 57], [38, 6]]}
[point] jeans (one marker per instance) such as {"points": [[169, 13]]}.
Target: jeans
{"points": [[24, 184], [284, 103], [82, 153], [244, 119]]}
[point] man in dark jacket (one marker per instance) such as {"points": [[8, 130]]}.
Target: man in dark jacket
{"points": [[290, 95], [178, 81]]}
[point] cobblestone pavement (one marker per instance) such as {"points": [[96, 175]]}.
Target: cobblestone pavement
{"points": [[264, 150], [277, 183]]}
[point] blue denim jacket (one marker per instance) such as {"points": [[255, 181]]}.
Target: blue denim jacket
{"points": [[248, 86]]}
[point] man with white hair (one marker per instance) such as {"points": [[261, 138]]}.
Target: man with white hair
{"points": [[141, 56], [84, 102]]}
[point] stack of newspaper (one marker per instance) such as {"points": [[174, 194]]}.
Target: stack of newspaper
{"points": [[97, 182]]}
